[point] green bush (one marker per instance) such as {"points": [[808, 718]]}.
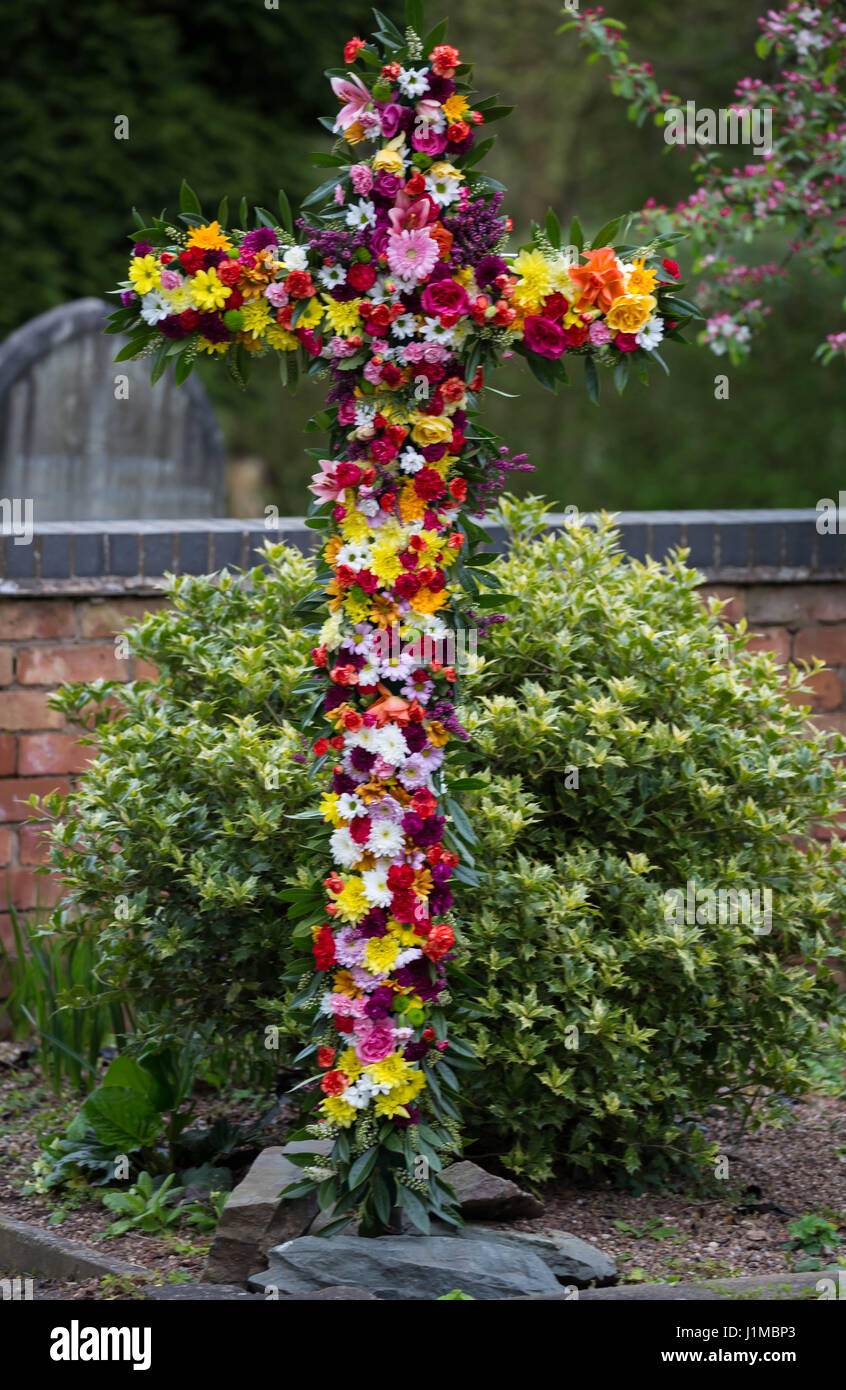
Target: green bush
{"points": [[605, 1032], [690, 766]]}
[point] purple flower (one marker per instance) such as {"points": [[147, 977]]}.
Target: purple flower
{"points": [[257, 241], [127, 297], [488, 269], [142, 248]]}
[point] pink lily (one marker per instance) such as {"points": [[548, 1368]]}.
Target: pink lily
{"points": [[355, 97], [324, 484], [408, 214]]}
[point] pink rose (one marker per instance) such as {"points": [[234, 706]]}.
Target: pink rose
{"points": [[170, 280], [428, 141], [543, 336], [626, 342], [376, 1044], [445, 297]]}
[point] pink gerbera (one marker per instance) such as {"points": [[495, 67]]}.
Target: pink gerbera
{"points": [[412, 253]]}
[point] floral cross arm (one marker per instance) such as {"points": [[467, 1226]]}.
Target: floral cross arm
{"points": [[396, 287]]}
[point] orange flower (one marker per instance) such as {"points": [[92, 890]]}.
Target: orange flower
{"points": [[599, 280], [210, 238], [443, 237]]}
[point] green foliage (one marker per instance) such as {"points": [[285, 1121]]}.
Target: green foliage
{"points": [[689, 766], [815, 1236], [625, 756], [145, 1207], [179, 850], [55, 991]]}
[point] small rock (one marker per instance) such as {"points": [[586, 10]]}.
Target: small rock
{"points": [[488, 1198], [572, 1260], [255, 1218], [198, 1293]]}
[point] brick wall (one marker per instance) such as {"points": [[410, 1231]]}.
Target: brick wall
{"points": [[65, 596]]}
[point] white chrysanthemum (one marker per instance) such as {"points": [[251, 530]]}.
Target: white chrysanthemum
{"points": [[413, 82], [295, 258], [331, 633], [386, 839], [332, 275], [375, 885], [153, 307], [443, 189], [364, 415], [356, 554], [406, 957], [411, 461], [344, 849], [651, 334], [391, 745], [361, 215], [404, 327], [349, 806], [370, 673], [433, 331], [365, 738]]}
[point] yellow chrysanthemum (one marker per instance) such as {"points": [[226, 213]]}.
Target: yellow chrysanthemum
{"points": [[312, 315], [278, 337], [391, 1071], [404, 935], [177, 300], [344, 318], [349, 1064], [338, 1110], [250, 341], [331, 548], [345, 984], [210, 238], [438, 735], [425, 601], [455, 106], [411, 508], [641, 280], [384, 561], [145, 273], [535, 280], [357, 609], [255, 317], [355, 526], [351, 901], [212, 348], [207, 291], [380, 954], [329, 810]]}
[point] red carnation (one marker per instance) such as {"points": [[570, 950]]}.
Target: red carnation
{"points": [[672, 268], [193, 259], [300, 285], [441, 939], [428, 484], [361, 276], [323, 949], [334, 1083], [325, 1056], [351, 48]]}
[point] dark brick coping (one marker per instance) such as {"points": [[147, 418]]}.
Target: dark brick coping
{"points": [[126, 557]]}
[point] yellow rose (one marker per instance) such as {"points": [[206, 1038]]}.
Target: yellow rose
{"points": [[442, 169], [389, 158], [630, 312], [431, 429]]}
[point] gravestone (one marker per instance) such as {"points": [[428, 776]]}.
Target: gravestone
{"points": [[89, 439]]}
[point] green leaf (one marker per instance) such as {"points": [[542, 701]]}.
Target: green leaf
{"points": [[414, 16], [605, 236], [553, 230], [223, 211], [188, 200], [363, 1166], [122, 1117], [411, 1203], [576, 234], [285, 212]]}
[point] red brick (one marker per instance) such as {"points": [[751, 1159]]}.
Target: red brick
{"points": [[104, 619], [144, 671], [28, 889], [771, 639], [8, 754], [14, 790], [44, 618], [41, 753], [33, 844], [52, 665], [796, 604], [833, 722], [824, 692], [828, 643], [735, 607], [28, 709], [6, 664], [5, 845], [8, 941]]}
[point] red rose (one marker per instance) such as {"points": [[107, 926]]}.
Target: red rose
{"points": [[441, 939], [351, 48], [361, 276], [323, 949], [458, 131], [626, 342], [576, 336], [543, 336], [554, 306], [300, 285], [193, 259], [444, 297], [321, 747], [672, 268], [415, 186], [325, 1056]]}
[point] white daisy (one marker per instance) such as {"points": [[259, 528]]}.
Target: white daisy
{"points": [[344, 849], [361, 215], [404, 327], [443, 190], [651, 334], [153, 307], [356, 554], [386, 839], [375, 885], [413, 82], [391, 745], [332, 275], [350, 806]]}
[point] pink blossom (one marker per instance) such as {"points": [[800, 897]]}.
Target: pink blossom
{"points": [[277, 295], [412, 255], [355, 97], [376, 1044], [362, 179], [599, 333]]}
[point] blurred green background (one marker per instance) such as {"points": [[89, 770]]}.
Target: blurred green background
{"points": [[228, 94]]}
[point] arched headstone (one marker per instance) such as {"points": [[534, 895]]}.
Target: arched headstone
{"points": [[89, 439]]}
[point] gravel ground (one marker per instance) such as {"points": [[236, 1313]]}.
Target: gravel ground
{"points": [[775, 1175]]}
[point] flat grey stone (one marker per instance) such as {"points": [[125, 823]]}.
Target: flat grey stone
{"points": [[572, 1260], [255, 1217], [483, 1196], [198, 1293], [27, 1249], [405, 1268]]}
